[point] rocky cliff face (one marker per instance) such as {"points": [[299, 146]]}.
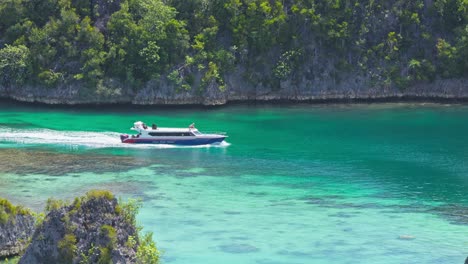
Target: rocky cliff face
{"points": [[91, 230], [16, 227], [244, 85], [239, 89]]}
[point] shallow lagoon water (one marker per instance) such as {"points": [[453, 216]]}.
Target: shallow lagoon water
{"points": [[379, 183]]}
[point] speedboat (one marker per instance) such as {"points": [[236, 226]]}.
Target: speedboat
{"points": [[174, 136]]}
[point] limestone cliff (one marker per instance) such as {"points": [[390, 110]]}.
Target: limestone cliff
{"points": [[103, 51], [237, 89]]}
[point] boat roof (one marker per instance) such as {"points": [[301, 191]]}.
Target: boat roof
{"points": [[170, 129], [165, 129]]}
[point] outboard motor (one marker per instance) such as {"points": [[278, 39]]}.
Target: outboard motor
{"points": [[123, 137]]}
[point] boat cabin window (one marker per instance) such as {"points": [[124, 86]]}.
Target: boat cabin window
{"points": [[170, 134], [196, 132]]}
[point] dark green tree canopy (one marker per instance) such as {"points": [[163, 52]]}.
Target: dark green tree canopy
{"points": [[397, 42]]}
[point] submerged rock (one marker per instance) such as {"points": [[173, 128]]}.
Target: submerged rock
{"points": [[406, 237], [16, 227], [238, 248], [93, 229], [18, 161]]}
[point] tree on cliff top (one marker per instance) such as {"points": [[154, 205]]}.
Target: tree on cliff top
{"points": [[14, 65]]}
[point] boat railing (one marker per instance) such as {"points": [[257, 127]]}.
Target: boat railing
{"points": [[214, 132]]}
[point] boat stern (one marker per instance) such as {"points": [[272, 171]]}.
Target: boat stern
{"points": [[123, 137]]}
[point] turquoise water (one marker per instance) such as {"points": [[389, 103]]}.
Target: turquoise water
{"points": [[379, 183]]}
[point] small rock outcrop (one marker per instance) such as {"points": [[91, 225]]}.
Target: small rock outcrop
{"points": [[16, 227], [92, 229]]}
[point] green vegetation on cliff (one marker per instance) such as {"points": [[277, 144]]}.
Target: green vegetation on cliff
{"points": [[8, 211], [196, 43]]}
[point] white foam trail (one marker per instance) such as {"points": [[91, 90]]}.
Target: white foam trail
{"points": [[78, 138]]}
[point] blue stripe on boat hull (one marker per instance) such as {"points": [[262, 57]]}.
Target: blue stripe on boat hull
{"points": [[186, 142]]}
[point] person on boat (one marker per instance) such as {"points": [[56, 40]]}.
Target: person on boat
{"points": [[192, 125], [154, 127], [145, 126]]}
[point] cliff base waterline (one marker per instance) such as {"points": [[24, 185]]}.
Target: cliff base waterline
{"points": [[443, 91]]}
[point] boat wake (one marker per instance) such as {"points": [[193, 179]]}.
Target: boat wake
{"points": [[78, 138]]}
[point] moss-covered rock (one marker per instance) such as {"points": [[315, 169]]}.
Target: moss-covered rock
{"points": [[16, 227], [91, 229]]}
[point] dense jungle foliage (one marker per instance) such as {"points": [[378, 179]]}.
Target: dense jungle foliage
{"points": [[197, 42]]}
